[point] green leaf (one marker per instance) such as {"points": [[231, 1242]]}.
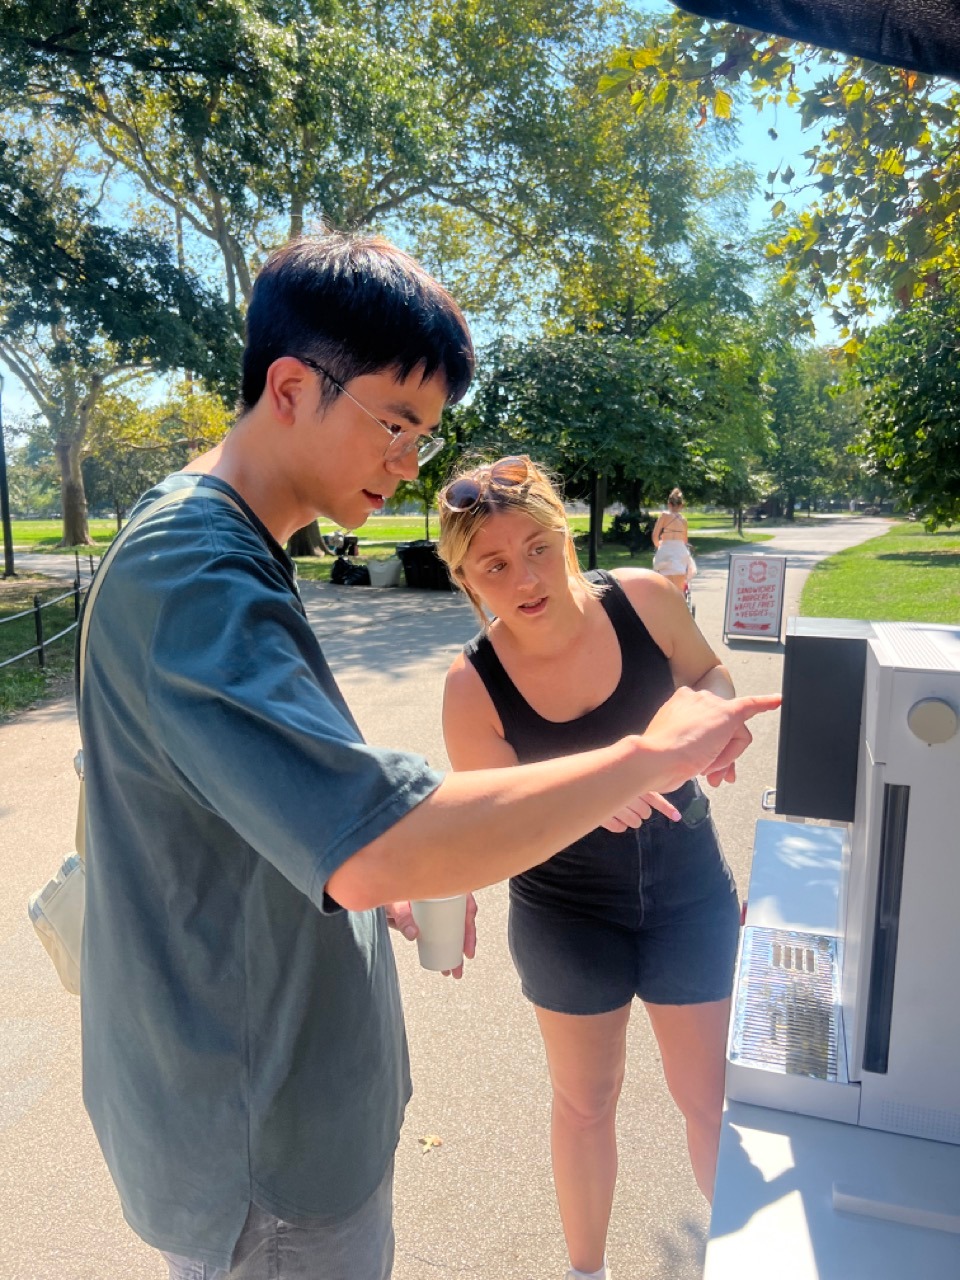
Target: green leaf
{"points": [[614, 81], [722, 104], [646, 58], [778, 209], [904, 281]]}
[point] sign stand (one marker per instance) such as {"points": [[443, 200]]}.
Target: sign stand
{"points": [[754, 608]]}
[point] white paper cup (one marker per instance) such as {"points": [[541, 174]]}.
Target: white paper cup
{"points": [[441, 922]]}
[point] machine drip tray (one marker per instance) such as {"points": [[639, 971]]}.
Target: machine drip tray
{"points": [[786, 1014]]}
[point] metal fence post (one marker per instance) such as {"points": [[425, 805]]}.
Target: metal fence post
{"points": [[38, 621], [76, 597]]}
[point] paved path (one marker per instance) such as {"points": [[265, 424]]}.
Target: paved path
{"points": [[55, 564], [481, 1205]]}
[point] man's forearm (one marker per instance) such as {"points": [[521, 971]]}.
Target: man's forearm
{"points": [[480, 827], [483, 826]]}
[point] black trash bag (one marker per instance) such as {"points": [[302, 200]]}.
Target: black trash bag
{"points": [[344, 573]]}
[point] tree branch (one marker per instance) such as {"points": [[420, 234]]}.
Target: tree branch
{"points": [[31, 378]]}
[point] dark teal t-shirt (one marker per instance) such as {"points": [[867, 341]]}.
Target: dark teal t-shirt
{"points": [[242, 1036]]}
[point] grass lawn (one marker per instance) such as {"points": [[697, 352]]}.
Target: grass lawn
{"points": [[23, 683], [906, 575], [45, 535]]}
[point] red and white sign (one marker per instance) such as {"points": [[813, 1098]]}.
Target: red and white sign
{"points": [[755, 596]]}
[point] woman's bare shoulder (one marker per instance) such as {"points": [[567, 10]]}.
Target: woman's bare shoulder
{"points": [[642, 584], [471, 726], [461, 675], [465, 693]]}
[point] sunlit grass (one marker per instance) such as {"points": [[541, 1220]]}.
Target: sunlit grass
{"points": [[23, 683], [906, 575]]}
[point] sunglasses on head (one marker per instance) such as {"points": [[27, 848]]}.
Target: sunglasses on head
{"points": [[468, 491]]}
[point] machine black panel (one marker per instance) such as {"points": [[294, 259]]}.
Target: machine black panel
{"points": [[823, 672], [883, 967]]}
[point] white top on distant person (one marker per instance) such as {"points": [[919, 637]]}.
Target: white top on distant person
{"points": [[672, 556]]}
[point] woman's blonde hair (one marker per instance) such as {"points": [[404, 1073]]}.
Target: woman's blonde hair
{"points": [[675, 499], [534, 494]]}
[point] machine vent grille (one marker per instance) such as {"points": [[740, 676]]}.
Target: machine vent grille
{"points": [[914, 645], [920, 1122], [786, 1015], [793, 959]]}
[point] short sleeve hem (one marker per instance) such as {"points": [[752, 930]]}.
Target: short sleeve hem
{"points": [[373, 824]]}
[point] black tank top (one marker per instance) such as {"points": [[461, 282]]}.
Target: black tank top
{"points": [[645, 685]]}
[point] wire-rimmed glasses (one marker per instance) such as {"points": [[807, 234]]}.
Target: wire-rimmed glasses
{"points": [[403, 442]]}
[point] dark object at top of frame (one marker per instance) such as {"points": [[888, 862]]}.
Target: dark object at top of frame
{"points": [[919, 35]]}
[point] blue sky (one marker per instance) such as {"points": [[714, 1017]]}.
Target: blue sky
{"points": [[765, 154]]}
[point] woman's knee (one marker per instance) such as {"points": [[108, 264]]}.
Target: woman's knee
{"points": [[698, 1095], [588, 1101]]}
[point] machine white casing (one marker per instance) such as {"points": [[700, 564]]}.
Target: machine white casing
{"points": [[851, 1011], [919, 1091]]}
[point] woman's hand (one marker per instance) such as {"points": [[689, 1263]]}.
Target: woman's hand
{"points": [[638, 810], [400, 917]]}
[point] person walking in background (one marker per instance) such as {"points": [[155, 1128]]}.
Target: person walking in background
{"points": [[244, 1059], [644, 904], [672, 556]]}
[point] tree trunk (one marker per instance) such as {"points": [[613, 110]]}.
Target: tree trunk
{"points": [[70, 428], [307, 542], [296, 216], [790, 512], [73, 499], [426, 520], [596, 520]]}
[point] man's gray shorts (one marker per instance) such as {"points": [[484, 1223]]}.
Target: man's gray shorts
{"points": [[358, 1248]]}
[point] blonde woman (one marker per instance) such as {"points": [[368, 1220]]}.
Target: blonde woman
{"points": [[645, 904], [672, 555]]}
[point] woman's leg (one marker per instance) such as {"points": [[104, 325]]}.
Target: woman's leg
{"points": [[586, 1056], [678, 580], [692, 1040]]}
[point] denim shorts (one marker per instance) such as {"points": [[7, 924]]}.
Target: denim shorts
{"points": [[650, 913], [361, 1247]]}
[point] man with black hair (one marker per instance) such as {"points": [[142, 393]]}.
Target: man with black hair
{"points": [[245, 1066]]}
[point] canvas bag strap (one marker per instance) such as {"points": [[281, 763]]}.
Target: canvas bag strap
{"points": [[167, 500]]}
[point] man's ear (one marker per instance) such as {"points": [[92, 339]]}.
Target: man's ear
{"points": [[288, 386]]}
